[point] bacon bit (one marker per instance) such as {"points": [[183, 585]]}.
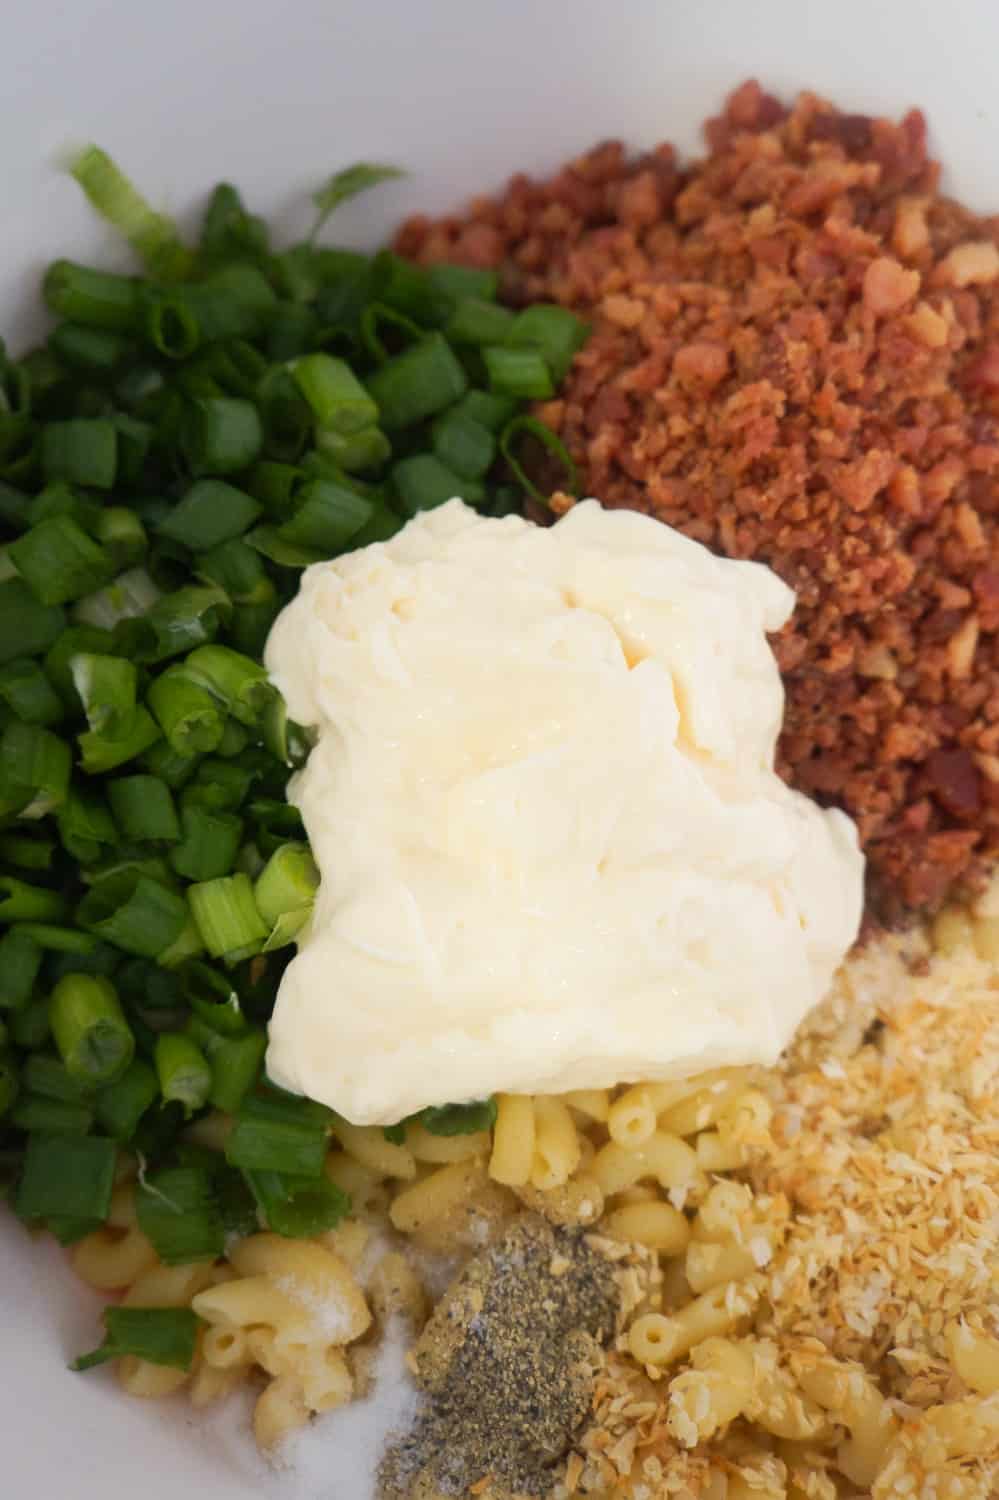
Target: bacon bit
{"points": [[841, 428], [961, 648], [625, 312], [953, 780], [701, 364], [888, 286], [911, 234], [927, 326], [984, 370], [975, 264], [639, 203]]}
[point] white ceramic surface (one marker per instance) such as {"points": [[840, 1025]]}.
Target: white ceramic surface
{"points": [[461, 93]]}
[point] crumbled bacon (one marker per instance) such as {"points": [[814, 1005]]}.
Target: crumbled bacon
{"points": [[795, 358]]}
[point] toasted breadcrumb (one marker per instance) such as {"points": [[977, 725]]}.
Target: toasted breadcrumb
{"points": [[885, 1150]]}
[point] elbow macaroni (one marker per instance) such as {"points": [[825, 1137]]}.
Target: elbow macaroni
{"points": [[639, 1163]]}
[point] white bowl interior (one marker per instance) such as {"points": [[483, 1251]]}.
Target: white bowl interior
{"points": [[461, 95]]}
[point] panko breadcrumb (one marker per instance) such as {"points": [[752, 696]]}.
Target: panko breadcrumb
{"points": [[886, 1152]]}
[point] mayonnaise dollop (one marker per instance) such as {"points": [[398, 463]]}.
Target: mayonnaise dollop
{"points": [[554, 850]]}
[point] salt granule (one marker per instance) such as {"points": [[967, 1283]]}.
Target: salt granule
{"points": [[336, 1457]]}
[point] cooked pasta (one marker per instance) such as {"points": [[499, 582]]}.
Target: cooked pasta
{"points": [[659, 1169]]}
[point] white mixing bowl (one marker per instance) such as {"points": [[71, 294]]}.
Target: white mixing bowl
{"points": [[273, 98]]}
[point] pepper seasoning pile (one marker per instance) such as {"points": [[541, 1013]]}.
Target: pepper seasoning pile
{"points": [[795, 358]]}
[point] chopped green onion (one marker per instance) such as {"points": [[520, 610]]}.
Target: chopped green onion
{"points": [[185, 946], [338, 400], [222, 434], [327, 516], [423, 482], [236, 1064], [98, 753], [408, 289], [50, 1078], [271, 1134], [143, 808], [26, 852], [28, 693], [298, 1207], [29, 1024], [95, 299], [287, 887], [20, 960], [459, 1119], [237, 680], [209, 513], [162, 761], [121, 534], [81, 451], [130, 595], [474, 321], [183, 1071], [555, 332], [348, 183], [267, 540], [228, 231], [121, 1105], [417, 383], [236, 567], [106, 688], [152, 236], [212, 998], [286, 415], [71, 1176], [384, 524], [235, 738], [189, 714], [134, 442], [158, 1335], [170, 324], [90, 1029], [13, 507], [358, 452], [20, 902], [27, 626], [9, 1082], [40, 1116], [134, 912], [179, 1213], [219, 785], [209, 843], [291, 330], [376, 316], [178, 622], [97, 351], [34, 770], [518, 372], [78, 639], [549, 440], [85, 825], [462, 444], [60, 499], [456, 282], [88, 954], [227, 916], [59, 561]]}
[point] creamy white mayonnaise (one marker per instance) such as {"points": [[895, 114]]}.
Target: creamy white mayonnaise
{"points": [[554, 850]]}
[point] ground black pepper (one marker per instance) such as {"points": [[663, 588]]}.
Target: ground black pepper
{"points": [[507, 1362]]}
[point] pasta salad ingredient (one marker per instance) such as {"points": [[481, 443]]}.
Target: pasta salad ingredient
{"points": [[794, 360], [186, 441], [570, 729]]}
